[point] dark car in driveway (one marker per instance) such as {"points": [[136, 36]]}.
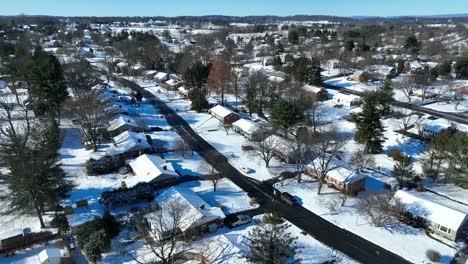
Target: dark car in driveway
{"points": [[289, 199]]}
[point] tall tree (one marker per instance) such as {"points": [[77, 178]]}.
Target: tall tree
{"points": [[195, 79], [314, 76], [220, 75], [285, 115], [46, 82], [271, 243], [369, 125]]}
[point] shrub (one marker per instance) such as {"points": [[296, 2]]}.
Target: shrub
{"points": [[61, 222], [98, 243], [433, 255], [110, 224], [104, 165], [461, 182], [395, 153]]}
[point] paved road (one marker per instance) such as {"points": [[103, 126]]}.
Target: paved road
{"points": [[450, 116], [350, 244]]}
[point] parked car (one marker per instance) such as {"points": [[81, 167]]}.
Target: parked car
{"points": [[289, 199], [247, 147], [239, 220], [246, 170]]}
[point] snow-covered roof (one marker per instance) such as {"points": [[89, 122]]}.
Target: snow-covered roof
{"points": [[281, 144], [415, 65], [345, 175], [246, 125], [118, 108], [434, 208], [121, 120], [275, 79], [311, 88], [128, 141], [439, 124], [160, 75], [196, 211], [49, 253], [172, 82], [149, 167], [221, 111], [346, 97]]}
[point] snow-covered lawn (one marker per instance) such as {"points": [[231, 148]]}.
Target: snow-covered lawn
{"points": [[226, 246], [228, 195], [406, 241], [449, 107]]}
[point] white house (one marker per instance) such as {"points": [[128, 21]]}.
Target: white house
{"points": [[346, 100], [250, 129], [197, 216], [430, 127], [50, 255], [151, 168], [443, 216], [129, 143]]}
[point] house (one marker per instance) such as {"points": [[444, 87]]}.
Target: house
{"points": [[346, 100], [153, 169], [121, 123], [440, 214], [224, 114], [282, 148], [172, 84], [129, 144], [344, 179], [161, 77], [118, 108], [50, 255], [250, 129], [183, 91], [430, 126], [316, 92], [415, 67], [196, 215]]}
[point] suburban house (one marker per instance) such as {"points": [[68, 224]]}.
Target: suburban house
{"points": [[344, 179], [172, 84], [121, 123], [346, 100], [224, 114], [129, 144], [430, 126], [50, 255], [282, 148], [359, 76], [161, 77], [197, 216], [415, 67], [118, 108], [153, 169], [250, 129], [441, 215], [315, 92], [182, 91]]}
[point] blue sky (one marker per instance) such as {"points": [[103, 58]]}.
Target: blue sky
{"points": [[232, 7]]}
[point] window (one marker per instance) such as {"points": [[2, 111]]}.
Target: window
{"points": [[444, 229]]}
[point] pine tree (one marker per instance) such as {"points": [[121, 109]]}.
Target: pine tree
{"points": [[400, 66], [403, 168], [369, 125], [314, 76], [285, 115], [386, 98], [271, 243], [195, 79]]}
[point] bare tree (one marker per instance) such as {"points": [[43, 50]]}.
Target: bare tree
{"points": [[266, 149], [163, 231], [220, 75], [325, 145], [408, 119], [360, 160], [90, 114], [210, 172], [108, 62], [406, 86], [380, 209], [227, 128]]}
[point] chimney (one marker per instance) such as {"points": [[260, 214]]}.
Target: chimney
{"points": [[202, 206], [165, 167], [139, 140]]}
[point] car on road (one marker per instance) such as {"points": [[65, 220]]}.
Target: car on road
{"points": [[246, 147], [238, 220], [246, 170], [289, 199]]}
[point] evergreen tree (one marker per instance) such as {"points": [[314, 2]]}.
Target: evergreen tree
{"points": [[293, 37], [400, 67], [97, 243], [386, 98], [314, 76], [195, 79], [271, 243], [403, 168], [46, 82], [285, 115], [369, 125]]}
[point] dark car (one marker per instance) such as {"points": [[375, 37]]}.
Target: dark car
{"points": [[289, 199]]}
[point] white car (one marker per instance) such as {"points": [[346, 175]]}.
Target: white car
{"points": [[240, 220], [246, 170]]}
